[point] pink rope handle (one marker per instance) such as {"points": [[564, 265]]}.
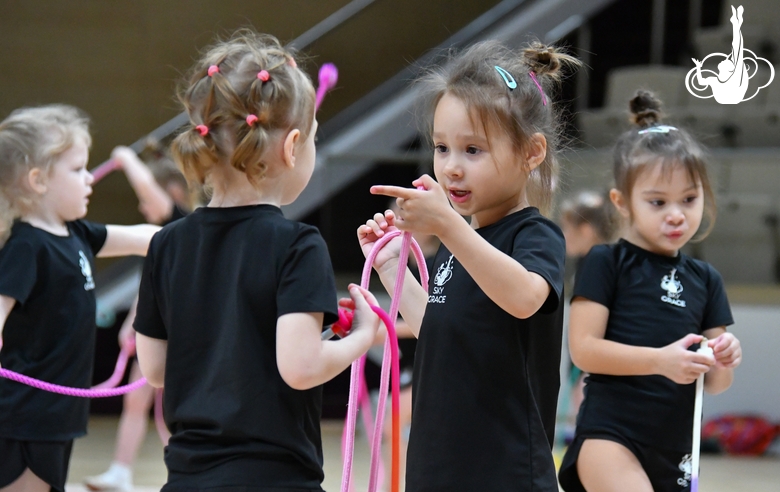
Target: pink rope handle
{"points": [[105, 169], [327, 78], [357, 382], [102, 390]]}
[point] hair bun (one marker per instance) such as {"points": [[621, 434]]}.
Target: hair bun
{"points": [[546, 60], [645, 109]]}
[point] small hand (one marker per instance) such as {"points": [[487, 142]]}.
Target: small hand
{"points": [[423, 211], [727, 350], [374, 229], [681, 365], [366, 322]]}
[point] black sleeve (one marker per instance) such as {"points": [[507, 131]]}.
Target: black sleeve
{"points": [[540, 248], [306, 282], [18, 270], [717, 312], [148, 320], [94, 234], [596, 276]]}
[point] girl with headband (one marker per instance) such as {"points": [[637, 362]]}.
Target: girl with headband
{"points": [[234, 297], [638, 307], [486, 369], [47, 299]]}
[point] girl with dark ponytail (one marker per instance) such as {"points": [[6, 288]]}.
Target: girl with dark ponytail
{"points": [[638, 307]]}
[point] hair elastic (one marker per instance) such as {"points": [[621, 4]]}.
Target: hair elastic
{"points": [[508, 79], [538, 86], [212, 70], [263, 75], [291, 62], [657, 129], [251, 119], [203, 130]]}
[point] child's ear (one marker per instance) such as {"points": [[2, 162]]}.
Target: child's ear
{"points": [[619, 200], [535, 151], [289, 147], [36, 180]]}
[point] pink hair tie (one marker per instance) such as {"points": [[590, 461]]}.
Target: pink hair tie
{"points": [[263, 75], [538, 86], [292, 63], [251, 119], [212, 70], [203, 130]]}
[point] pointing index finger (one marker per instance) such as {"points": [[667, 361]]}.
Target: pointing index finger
{"points": [[394, 191]]}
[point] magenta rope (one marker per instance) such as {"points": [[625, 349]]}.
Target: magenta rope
{"points": [[102, 390], [357, 379]]}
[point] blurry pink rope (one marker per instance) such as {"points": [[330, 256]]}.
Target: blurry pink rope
{"points": [[105, 169], [103, 390], [357, 381]]}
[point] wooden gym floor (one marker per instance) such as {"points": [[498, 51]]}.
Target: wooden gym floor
{"points": [[92, 454]]}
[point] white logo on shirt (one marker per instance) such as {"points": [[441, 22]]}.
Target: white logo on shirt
{"points": [[86, 270], [685, 466], [443, 275], [673, 289]]}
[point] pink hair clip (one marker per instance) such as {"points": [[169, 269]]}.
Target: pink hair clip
{"points": [[263, 75], [251, 119], [212, 70], [538, 86], [203, 130]]}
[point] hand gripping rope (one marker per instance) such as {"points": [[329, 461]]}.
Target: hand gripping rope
{"points": [[358, 392]]}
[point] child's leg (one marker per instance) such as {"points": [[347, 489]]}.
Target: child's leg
{"points": [[606, 466], [130, 435], [27, 482], [134, 420]]}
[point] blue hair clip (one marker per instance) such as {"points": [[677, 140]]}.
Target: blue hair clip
{"points": [[508, 79], [658, 129]]}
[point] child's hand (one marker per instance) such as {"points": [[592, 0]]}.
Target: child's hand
{"points": [[122, 155], [372, 231], [127, 338], [366, 322], [425, 211], [727, 350], [681, 365]]}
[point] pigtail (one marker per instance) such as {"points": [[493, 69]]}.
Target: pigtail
{"points": [[645, 109], [193, 155]]}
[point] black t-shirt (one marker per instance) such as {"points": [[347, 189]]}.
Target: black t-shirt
{"points": [[486, 383], [50, 332], [653, 300], [214, 284]]}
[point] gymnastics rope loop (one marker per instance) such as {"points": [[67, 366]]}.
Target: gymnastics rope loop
{"points": [[358, 392], [103, 390]]}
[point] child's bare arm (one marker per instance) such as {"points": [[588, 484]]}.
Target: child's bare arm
{"points": [[305, 360], [728, 355], [155, 203], [151, 358], [592, 353], [127, 240], [6, 305]]}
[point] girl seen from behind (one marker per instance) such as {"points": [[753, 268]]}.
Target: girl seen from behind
{"points": [[234, 296]]}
